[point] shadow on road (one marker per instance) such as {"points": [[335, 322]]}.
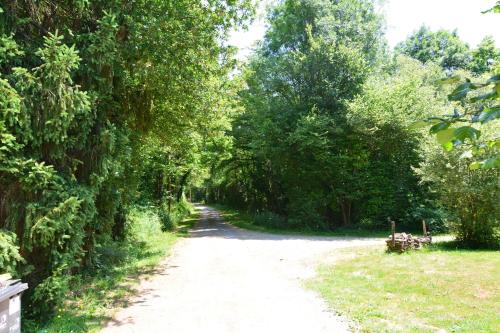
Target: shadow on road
{"points": [[212, 225]]}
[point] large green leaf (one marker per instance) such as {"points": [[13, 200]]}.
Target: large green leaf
{"points": [[494, 79], [439, 127], [445, 136], [466, 132], [489, 114], [491, 163], [449, 80], [461, 91], [490, 95], [419, 124]]}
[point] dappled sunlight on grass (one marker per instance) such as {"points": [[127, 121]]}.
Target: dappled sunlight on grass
{"points": [[423, 291]]}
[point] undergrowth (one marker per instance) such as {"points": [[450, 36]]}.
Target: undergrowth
{"points": [[94, 295]]}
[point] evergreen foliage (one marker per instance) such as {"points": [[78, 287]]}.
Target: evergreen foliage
{"points": [[107, 104], [85, 88]]}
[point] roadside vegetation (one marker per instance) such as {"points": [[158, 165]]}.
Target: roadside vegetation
{"points": [[107, 106], [439, 289], [267, 223], [338, 132], [94, 296]]}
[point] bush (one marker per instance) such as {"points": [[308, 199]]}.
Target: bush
{"points": [[9, 252], [471, 196], [270, 220], [436, 219], [50, 294], [178, 212], [168, 223]]}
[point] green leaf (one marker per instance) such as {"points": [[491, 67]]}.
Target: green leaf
{"points": [[445, 136], [448, 146], [490, 95], [461, 91], [419, 124], [491, 163], [495, 9], [466, 132], [494, 79], [494, 143], [439, 127], [489, 114], [449, 80], [475, 165]]}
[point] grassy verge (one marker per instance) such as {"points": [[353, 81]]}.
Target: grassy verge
{"points": [[245, 221], [95, 297], [439, 289]]}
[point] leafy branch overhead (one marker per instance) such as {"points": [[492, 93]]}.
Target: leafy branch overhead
{"points": [[476, 104]]}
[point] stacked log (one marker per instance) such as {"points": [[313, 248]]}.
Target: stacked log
{"points": [[401, 242]]}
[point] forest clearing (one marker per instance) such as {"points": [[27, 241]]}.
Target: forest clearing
{"points": [[249, 166]]}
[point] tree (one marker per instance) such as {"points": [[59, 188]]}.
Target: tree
{"points": [[290, 152], [485, 56], [381, 117], [469, 196], [442, 47], [84, 84], [467, 176]]}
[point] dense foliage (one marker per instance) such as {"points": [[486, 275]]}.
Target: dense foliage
{"points": [[95, 95], [307, 147], [446, 49], [109, 104], [328, 137], [300, 83]]}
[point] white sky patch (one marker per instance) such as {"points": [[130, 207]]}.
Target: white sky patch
{"points": [[405, 16], [402, 18]]}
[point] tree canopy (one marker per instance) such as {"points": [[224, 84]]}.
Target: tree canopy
{"points": [[93, 94], [108, 105]]}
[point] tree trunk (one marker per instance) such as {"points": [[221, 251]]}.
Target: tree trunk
{"points": [[345, 206], [159, 186], [182, 184], [169, 197]]}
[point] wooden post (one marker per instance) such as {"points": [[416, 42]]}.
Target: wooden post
{"points": [[393, 231], [424, 227]]}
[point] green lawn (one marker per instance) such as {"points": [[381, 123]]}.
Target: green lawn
{"points": [[94, 298], [435, 290], [245, 221]]}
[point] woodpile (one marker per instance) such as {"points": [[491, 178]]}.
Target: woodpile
{"points": [[401, 242]]}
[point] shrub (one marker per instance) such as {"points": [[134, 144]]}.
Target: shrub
{"points": [[50, 294], [436, 219], [471, 196], [170, 218], [168, 222], [9, 252], [270, 220]]}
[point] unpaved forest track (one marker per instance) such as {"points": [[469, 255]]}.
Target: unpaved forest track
{"points": [[224, 279]]}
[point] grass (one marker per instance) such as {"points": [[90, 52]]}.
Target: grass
{"points": [[435, 290], [95, 297], [245, 220]]}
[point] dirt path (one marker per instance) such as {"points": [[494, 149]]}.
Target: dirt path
{"points": [[227, 280]]}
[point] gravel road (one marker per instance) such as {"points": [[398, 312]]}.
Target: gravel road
{"points": [[224, 279]]}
